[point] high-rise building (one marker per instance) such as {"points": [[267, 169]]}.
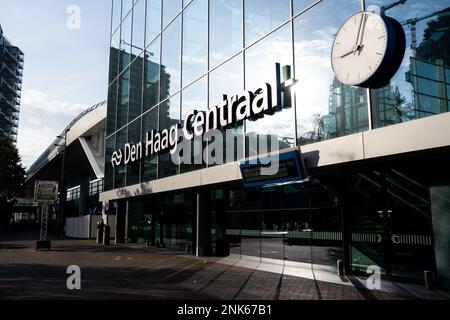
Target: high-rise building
{"points": [[11, 71]]}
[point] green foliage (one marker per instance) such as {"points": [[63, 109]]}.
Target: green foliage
{"points": [[12, 174]]}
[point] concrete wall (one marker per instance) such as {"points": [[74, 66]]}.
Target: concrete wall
{"points": [[85, 227]]}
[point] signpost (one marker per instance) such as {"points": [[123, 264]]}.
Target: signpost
{"points": [[45, 193]]}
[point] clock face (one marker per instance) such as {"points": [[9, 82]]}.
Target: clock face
{"points": [[359, 48]]}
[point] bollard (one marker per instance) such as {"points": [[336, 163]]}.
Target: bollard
{"points": [[429, 280], [340, 268]]}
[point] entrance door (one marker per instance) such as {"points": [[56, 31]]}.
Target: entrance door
{"points": [[390, 222]]}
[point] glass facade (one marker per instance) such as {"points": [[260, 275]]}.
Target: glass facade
{"points": [[169, 57], [198, 50]]}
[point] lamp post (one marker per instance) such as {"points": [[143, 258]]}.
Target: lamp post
{"points": [[62, 192]]}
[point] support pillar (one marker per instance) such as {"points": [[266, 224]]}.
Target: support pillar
{"points": [[203, 230]]}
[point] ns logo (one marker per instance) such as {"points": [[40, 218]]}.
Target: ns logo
{"points": [[116, 158]]}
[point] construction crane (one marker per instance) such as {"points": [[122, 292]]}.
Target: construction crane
{"points": [[385, 8], [412, 24]]}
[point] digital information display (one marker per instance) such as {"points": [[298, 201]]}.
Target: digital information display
{"points": [[291, 169]]}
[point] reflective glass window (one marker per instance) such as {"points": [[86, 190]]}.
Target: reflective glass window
{"points": [[136, 75], [170, 9], [326, 109], [169, 114], [260, 61], [134, 137], [109, 170], [116, 14], [195, 41], [262, 16], [120, 171], [225, 30], [171, 59], [150, 163], [151, 76], [301, 5], [138, 28], [228, 79], [194, 97], [114, 52], [124, 99], [126, 7], [153, 20], [112, 108], [125, 43], [419, 89]]}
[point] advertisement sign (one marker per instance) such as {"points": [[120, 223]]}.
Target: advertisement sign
{"points": [[46, 191]]}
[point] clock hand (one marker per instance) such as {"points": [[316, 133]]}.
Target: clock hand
{"points": [[359, 33], [355, 49], [360, 45]]}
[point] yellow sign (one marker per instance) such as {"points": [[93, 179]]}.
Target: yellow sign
{"points": [[46, 191]]}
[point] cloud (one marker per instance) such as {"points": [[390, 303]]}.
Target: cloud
{"points": [[42, 118], [38, 100]]}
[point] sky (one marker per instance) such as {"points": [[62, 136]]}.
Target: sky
{"points": [[65, 69]]}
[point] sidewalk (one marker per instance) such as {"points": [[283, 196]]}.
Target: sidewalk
{"points": [[136, 272]]}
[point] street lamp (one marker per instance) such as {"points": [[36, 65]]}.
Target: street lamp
{"points": [[62, 193]]}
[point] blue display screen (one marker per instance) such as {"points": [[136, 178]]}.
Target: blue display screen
{"points": [[291, 169]]}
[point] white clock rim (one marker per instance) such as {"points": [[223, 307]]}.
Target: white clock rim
{"points": [[382, 59]]}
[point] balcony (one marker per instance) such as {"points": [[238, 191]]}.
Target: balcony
{"points": [[11, 89], [8, 120], [9, 103], [8, 72]]}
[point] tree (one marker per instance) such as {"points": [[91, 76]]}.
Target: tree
{"points": [[12, 175]]}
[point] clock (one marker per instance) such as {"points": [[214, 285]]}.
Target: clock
{"points": [[368, 50]]}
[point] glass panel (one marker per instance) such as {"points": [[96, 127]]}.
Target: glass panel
{"points": [[193, 98], [126, 7], [440, 196], [116, 14], [151, 76], [138, 28], [136, 74], [260, 67], [109, 170], [169, 114], [124, 98], [150, 164], [408, 199], [300, 5], [262, 16], [112, 108], [120, 171], [153, 22], [134, 136], [228, 79], [114, 52], [171, 59], [418, 89], [125, 43], [170, 9], [225, 30], [139, 224], [326, 109], [195, 41]]}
